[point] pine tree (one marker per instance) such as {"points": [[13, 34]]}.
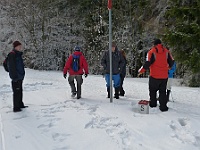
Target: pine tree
{"points": [[183, 34]]}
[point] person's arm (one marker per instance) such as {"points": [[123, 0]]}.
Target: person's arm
{"points": [[103, 61], [67, 65], [122, 62], [170, 60], [85, 65], [150, 60], [12, 66]]}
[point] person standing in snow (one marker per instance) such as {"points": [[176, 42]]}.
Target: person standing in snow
{"points": [[76, 66], [118, 63], [169, 82], [122, 74], [159, 60], [17, 73]]}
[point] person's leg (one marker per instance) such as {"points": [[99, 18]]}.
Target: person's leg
{"points": [[16, 96], [21, 94], [79, 81], [116, 79], [121, 91], [169, 86], [163, 97], [153, 88], [107, 78], [72, 85]]}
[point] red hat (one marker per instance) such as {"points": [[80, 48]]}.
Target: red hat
{"points": [[16, 43]]}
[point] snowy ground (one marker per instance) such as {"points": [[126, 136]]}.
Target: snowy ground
{"points": [[54, 121]]}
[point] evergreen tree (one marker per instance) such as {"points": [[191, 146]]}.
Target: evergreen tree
{"points": [[183, 34]]}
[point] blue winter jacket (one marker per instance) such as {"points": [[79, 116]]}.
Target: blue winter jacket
{"points": [[171, 71], [16, 66]]}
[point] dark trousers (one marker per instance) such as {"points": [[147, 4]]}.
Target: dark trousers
{"points": [[154, 86], [17, 94], [122, 92], [79, 81]]}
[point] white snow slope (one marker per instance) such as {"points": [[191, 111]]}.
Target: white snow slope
{"points": [[54, 121]]}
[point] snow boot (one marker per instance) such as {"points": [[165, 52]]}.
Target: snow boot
{"points": [[163, 109], [16, 109], [78, 97], [116, 93], [24, 107], [73, 94], [122, 92], [108, 90], [168, 93]]}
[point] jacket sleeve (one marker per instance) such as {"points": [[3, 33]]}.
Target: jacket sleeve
{"points": [[150, 60], [103, 61], [67, 65], [12, 66], [85, 65], [173, 69], [122, 62], [170, 60]]}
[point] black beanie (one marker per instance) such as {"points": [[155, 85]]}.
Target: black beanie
{"points": [[157, 41], [16, 43]]}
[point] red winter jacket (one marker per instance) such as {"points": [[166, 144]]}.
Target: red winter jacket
{"points": [[83, 65], [159, 60]]}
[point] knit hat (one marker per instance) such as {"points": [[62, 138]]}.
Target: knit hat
{"points": [[77, 48], [157, 41], [114, 44], [16, 43]]}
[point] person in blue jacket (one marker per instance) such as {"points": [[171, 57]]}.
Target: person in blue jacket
{"points": [[17, 73], [169, 82]]}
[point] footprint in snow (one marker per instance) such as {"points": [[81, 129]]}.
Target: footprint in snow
{"points": [[116, 130], [60, 137], [183, 121], [182, 131]]}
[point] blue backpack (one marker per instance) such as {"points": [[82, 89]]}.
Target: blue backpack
{"points": [[76, 63]]}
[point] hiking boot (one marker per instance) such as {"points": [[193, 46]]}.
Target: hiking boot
{"points": [[122, 92], [16, 109], [73, 94], [108, 90], [24, 107], [78, 97], [116, 93], [163, 109]]}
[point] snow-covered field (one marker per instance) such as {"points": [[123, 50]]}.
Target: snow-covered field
{"points": [[54, 121]]}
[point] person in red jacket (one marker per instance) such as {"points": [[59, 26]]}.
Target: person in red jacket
{"points": [[159, 60], [76, 66]]}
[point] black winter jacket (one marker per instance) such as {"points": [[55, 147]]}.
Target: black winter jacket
{"points": [[16, 66], [118, 62]]}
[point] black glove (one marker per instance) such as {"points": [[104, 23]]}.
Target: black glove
{"points": [[86, 75], [65, 75]]}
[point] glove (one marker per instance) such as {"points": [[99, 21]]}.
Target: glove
{"points": [[65, 75], [86, 75]]}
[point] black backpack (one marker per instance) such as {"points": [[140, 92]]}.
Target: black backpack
{"points": [[76, 63], [5, 62]]}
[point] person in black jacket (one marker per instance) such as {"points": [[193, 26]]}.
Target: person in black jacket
{"points": [[123, 74], [17, 73], [117, 65]]}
